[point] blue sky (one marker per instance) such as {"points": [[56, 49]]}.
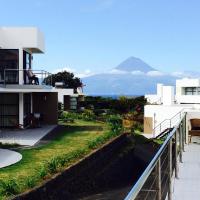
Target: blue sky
{"points": [[96, 35]]}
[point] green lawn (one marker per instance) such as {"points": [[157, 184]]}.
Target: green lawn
{"points": [[77, 136]]}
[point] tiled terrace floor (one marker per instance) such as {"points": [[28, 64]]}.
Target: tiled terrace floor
{"points": [[187, 187], [27, 137]]}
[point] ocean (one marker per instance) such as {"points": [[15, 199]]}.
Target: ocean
{"points": [[115, 96]]}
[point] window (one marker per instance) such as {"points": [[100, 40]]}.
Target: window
{"points": [[9, 59], [9, 110], [190, 91]]}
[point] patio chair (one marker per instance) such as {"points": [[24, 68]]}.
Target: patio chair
{"points": [[195, 128]]}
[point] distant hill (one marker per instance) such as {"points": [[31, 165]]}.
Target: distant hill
{"points": [[132, 77], [134, 64]]}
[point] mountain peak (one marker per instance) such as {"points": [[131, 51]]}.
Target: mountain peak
{"points": [[134, 64]]}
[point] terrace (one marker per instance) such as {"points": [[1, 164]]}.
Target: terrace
{"points": [[11, 77], [26, 137]]}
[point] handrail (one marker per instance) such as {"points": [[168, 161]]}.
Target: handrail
{"points": [[170, 120], [43, 74], [141, 181]]}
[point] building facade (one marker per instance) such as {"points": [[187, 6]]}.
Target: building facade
{"points": [[20, 94], [165, 108]]}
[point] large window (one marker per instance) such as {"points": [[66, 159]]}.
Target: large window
{"points": [[9, 59], [9, 110], [191, 91]]}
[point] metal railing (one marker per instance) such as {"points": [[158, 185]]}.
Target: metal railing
{"points": [[12, 76], [168, 123], [156, 181]]}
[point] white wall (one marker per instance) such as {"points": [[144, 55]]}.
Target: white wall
{"points": [[161, 112], [160, 90], [62, 92], [168, 95], [188, 99], [188, 82], [22, 38], [153, 99]]}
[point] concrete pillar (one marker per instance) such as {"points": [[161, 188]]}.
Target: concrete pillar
{"points": [[21, 73], [21, 109]]}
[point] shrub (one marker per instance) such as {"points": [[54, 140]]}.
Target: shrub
{"points": [[68, 116], [88, 115], [137, 127], [9, 187], [115, 123]]}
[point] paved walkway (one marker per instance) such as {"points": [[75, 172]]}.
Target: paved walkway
{"points": [[187, 187], [8, 157], [27, 137]]}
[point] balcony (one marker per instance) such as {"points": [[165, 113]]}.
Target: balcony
{"points": [[9, 77]]}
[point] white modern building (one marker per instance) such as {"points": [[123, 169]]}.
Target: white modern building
{"points": [[70, 98], [165, 108], [20, 97]]}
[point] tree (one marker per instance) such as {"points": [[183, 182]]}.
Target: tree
{"points": [[67, 78]]}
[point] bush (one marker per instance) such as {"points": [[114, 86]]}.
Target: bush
{"points": [[68, 116], [9, 187], [88, 115], [115, 123], [137, 127]]}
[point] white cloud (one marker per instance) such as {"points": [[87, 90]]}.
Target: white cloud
{"points": [[137, 72], [84, 74], [68, 69], [178, 74], [155, 73], [116, 71], [80, 74]]}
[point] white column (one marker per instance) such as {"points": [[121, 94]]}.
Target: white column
{"points": [[21, 74], [21, 108]]}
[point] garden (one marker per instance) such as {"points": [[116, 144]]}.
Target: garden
{"points": [[84, 131]]}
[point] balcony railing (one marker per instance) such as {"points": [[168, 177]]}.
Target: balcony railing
{"points": [[13, 76], [156, 181]]}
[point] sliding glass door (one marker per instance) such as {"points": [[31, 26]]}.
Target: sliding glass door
{"points": [[9, 110], [9, 65]]}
